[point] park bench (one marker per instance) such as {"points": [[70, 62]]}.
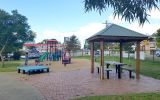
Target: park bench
{"points": [[107, 71], [97, 69], [129, 70]]}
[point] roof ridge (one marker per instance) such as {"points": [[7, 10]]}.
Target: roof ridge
{"points": [[106, 28], [128, 29]]}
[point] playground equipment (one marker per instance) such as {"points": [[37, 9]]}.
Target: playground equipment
{"points": [[66, 58], [43, 56], [32, 69], [52, 47], [52, 53]]}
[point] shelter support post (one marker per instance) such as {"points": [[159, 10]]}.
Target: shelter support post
{"points": [[47, 49], [92, 56], [55, 46], [102, 60], [121, 52], [138, 60]]}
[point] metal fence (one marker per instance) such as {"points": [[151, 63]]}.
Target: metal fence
{"points": [[153, 55]]}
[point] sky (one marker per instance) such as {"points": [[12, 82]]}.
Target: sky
{"points": [[63, 18]]}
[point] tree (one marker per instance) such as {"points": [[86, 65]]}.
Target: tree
{"points": [[86, 45], [128, 47], [14, 31], [157, 35], [129, 10], [73, 43]]}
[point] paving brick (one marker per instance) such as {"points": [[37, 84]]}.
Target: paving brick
{"points": [[75, 80]]}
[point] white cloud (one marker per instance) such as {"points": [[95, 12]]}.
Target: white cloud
{"points": [[115, 20], [155, 14], [82, 33], [147, 29], [52, 34], [88, 30]]}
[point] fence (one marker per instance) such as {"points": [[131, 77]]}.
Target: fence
{"points": [[153, 55], [77, 53]]}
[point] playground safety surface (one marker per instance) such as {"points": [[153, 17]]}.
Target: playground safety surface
{"points": [[75, 80]]}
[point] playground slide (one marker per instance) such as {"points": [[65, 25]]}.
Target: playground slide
{"points": [[43, 57]]}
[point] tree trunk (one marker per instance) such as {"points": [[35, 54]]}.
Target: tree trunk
{"points": [[128, 54], [1, 51], [73, 53], [129, 57], [2, 60]]}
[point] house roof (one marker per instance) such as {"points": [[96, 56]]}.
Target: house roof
{"points": [[116, 33]]}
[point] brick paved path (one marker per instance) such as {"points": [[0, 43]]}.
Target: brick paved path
{"points": [[75, 80]]}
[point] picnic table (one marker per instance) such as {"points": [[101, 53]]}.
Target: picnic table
{"points": [[118, 66]]}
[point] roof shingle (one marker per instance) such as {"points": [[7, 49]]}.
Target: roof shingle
{"points": [[117, 32]]}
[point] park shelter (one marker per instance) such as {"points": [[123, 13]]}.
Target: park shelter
{"points": [[115, 33]]}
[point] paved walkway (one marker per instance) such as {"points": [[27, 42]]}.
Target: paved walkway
{"points": [[75, 80], [12, 89]]}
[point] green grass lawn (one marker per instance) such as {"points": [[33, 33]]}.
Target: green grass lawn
{"points": [[147, 68], [11, 66], [140, 96]]}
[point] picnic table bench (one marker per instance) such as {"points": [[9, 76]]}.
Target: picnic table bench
{"points": [[107, 71], [118, 66], [129, 70]]}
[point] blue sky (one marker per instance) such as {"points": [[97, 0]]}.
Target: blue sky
{"points": [[59, 18]]}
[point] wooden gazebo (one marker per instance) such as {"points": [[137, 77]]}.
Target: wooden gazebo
{"points": [[115, 33]]}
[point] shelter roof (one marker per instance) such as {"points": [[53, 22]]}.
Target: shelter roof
{"points": [[116, 33]]}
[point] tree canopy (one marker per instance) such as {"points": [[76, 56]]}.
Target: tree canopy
{"points": [[157, 35], [73, 43], [129, 10], [128, 47], [14, 31]]}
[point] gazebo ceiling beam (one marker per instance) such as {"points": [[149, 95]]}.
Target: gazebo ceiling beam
{"points": [[116, 39], [107, 40]]}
